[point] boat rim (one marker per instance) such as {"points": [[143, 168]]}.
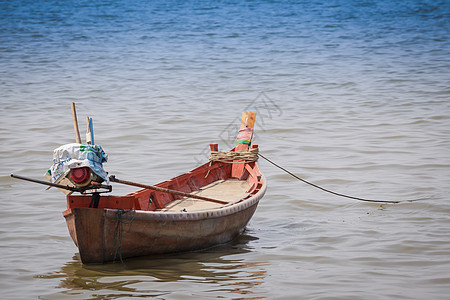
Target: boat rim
{"points": [[217, 212]]}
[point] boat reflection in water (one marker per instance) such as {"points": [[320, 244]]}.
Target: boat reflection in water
{"points": [[222, 270]]}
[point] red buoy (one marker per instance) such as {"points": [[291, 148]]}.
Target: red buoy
{"points": [[81, 175]]}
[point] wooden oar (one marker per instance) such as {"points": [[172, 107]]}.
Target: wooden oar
{"points": [[75, 123], [65, 187], [60, 186], [159, 189]]}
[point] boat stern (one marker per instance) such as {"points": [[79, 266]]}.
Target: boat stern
{"points": [[86, 227]]}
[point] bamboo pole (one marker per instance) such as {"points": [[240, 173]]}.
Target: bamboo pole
{"points": [[60, 186], [75, 123]]}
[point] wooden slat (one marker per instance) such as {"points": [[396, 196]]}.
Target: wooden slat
{"points": [[248, 119]]}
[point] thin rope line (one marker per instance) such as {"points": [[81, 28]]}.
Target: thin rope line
{"points": [[119, 230], [329, 191]]}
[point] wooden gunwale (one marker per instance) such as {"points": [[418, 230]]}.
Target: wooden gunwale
{"points": [[224, 210], [253, 196]]}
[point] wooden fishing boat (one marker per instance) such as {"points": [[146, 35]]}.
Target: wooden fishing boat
{"points": [[206, 206]]}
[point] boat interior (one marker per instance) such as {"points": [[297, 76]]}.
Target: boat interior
{"points": [[229, 182]]}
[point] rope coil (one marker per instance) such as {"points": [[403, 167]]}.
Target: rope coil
{"points": [[230, 156]]}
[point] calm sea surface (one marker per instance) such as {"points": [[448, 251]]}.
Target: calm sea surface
{"points": [[351, 95]]}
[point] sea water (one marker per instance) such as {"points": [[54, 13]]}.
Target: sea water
{"points": [[351, 95]]}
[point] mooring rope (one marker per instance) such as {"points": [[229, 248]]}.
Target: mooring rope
{"points": [[119, 229], [232, 156], [329, 191]]}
